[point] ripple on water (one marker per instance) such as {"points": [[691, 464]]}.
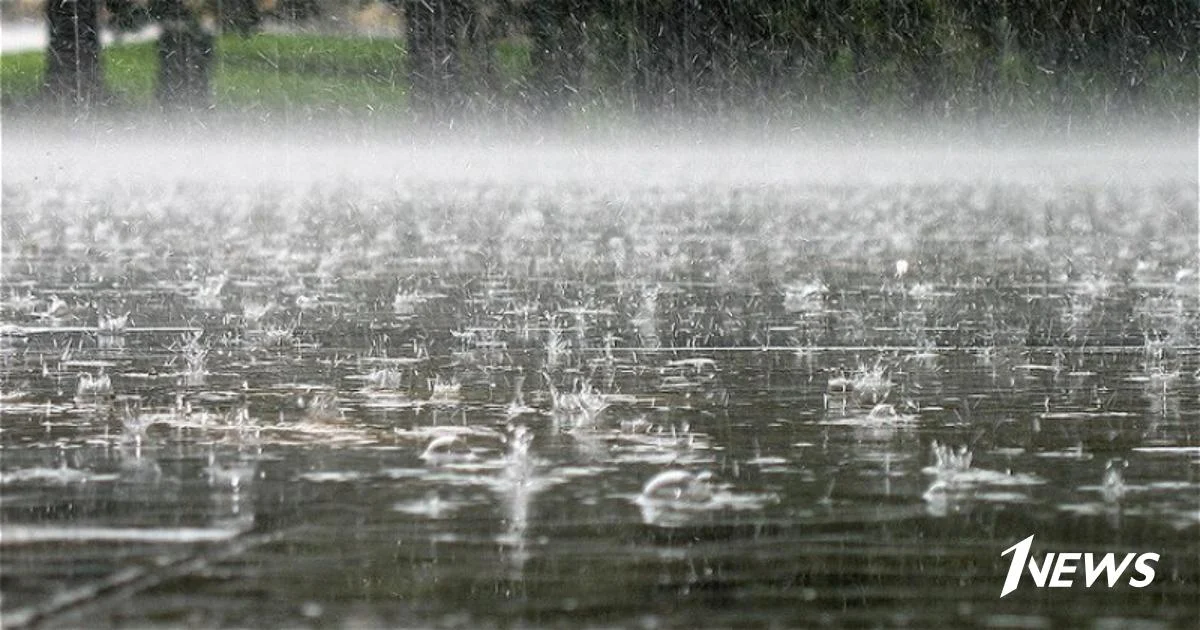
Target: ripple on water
{"points": [[432, 506], [331, 476], [722, 501]]}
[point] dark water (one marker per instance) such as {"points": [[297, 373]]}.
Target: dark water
{"points": [[249, 447]]}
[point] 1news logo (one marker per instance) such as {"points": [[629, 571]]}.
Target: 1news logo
{"points": [[1057, 570]]}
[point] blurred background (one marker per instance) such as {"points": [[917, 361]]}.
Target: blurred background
{"points": [[526, 60]]}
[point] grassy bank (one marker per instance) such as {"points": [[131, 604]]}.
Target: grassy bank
{"points": [[289, 77], [267, 73]]}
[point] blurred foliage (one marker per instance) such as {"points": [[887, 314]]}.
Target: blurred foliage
{"points": [[939, 58], [933, 57]]}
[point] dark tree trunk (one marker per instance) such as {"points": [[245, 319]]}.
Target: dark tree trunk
{"points": [[125, 15], [675, 54], [73, 74], [434, 66], [650, 64], [298, 10], [557, 55], [184, 57], [240, 16]]}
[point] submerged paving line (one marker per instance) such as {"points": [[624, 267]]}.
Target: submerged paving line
{"points": [[24, 534], [128, 582], [1100, 349], [17, 330]]}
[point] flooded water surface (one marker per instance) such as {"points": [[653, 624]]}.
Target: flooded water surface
{"points": [[619, 388]]}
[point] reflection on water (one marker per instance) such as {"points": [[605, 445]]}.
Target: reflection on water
{"points": [[488, 405]]}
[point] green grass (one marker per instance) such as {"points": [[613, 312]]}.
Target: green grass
{"points": [[285, 76], [21, 73], [132, 71], [260, 73]]}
